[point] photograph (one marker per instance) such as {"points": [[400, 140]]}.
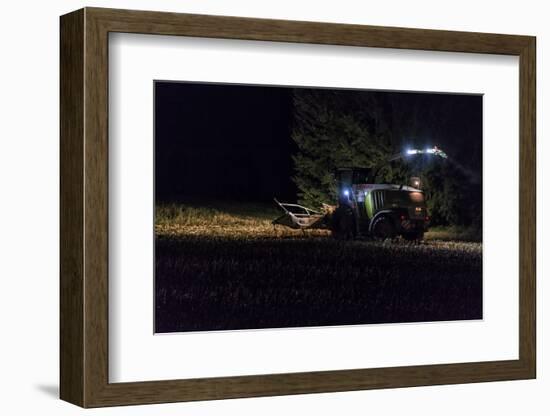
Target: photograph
{"points": [[292, 207]]}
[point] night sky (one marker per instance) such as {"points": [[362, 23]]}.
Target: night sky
{"points": [[224, 141]]}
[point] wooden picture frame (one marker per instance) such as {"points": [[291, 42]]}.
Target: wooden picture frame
{"points": [[84, 207]]}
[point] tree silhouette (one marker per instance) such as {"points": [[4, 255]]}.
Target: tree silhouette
{"points": [[347, 128], [334, 128]]}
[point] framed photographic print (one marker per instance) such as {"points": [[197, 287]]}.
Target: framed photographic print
{"points": [[256, 207]]}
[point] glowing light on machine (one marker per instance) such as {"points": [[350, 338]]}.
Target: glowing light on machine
{"points": [[428, 151], [416, 197], [416, 182]]}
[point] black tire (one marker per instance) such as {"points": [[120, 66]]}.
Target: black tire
{"points": [[343, 223], [414, 236], [383, 228]]}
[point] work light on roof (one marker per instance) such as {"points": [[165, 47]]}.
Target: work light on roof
{"points": [[428, 151]]}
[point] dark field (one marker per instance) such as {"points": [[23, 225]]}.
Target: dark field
{"points": [[230, 269]]}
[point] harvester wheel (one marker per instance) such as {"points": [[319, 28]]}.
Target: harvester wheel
{"points": [[343, 223], [383, 228]]}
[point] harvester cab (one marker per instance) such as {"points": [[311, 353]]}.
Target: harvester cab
{"points": [[378, 210]]}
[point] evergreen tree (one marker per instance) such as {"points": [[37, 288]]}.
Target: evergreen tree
{"points": [[335, 129], [339, 128]]}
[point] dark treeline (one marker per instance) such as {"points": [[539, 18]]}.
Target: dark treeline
{"points": [[337, 128]]}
